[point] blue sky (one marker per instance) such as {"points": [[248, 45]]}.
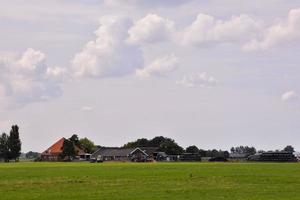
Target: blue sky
{"points": [[210, 73]]}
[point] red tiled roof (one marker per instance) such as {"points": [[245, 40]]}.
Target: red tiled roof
{"points": [[56, 148]]}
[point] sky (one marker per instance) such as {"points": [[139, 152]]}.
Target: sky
{"points": [[215, 74]]}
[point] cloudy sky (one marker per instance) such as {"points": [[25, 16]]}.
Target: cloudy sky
{"points": [[210, 73]]}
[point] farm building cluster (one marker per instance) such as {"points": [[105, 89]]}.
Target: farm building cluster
{"points": [[149, 154], [138, 154]]}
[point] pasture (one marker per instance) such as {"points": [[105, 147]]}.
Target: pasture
{"points": [[155, 181]]}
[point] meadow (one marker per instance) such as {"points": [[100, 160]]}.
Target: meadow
{"points": [[135, 181]]}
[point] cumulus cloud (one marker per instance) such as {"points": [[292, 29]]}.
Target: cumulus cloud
{"points": [[151, 28], [109, 54], [159, 67], [289, 96], [24, 80], [198, 79], [283, 31], [31, 59], [206, 29]]}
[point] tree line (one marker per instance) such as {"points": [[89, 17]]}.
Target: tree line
{"points": [[170, 147], [164, 144], [10, 145]]}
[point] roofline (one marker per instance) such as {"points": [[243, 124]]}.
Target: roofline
{"points": [[96, 150], [54, 144], [140, 150]]}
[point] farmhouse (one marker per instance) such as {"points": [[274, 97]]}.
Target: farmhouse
{"points": [[140, 154], [54, 151], [143, 154]]}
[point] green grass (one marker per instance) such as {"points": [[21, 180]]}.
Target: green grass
{"points": [[143, 181]]}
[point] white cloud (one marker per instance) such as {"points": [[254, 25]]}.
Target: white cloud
{"points": [[281, 32], [198, 79], [289, 96], [87, 109], [159, 67], [206, 29], [31, 59], [109, 54], [23, 79], [56, 72], [151, 28]]}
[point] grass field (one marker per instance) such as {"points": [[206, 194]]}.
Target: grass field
{"points": [[132, 181]]}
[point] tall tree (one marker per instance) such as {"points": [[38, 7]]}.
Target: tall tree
{"points": [[4, 150], [170, 147], [156, 141], [226, 154], [68, 151], [74, 138], [289, 149], [143, 142], [243, 150], [87, 144], [192, 149], [14, 143]]}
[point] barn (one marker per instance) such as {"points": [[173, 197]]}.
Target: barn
{"points": [[139, 154], [112, 154], [54, 151]]}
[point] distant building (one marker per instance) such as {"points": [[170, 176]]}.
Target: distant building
{"points": [[144, 154], [112, 154], [218, 159], [139, 154], [297, 155], [161, 156], [189, 157], [274, 156], [238, 156], [54, 151]]}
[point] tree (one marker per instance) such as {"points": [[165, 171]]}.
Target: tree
{"points": [[14, 143], [169, 146], [214, 153], [192, 149], [68, 150], [74, 138], [289, 149], [87, 144], [156, 141], [164, 144], [143, 142], [202, 153], [4, 150], [232, 150], [69, 147], [226, 154], [243, 150]]}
